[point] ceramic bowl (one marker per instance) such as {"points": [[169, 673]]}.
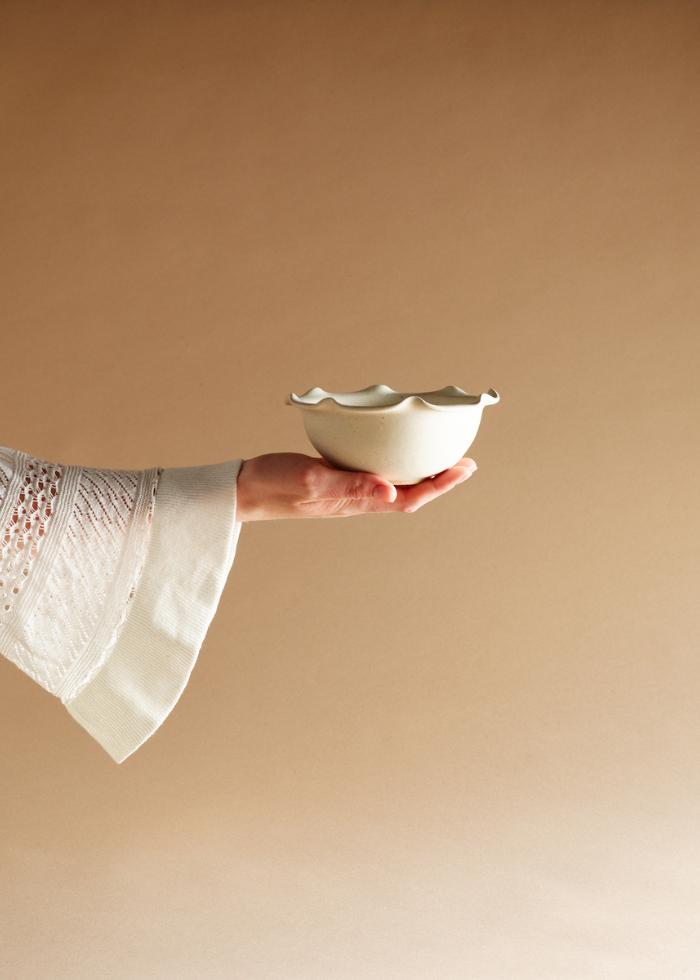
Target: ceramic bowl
{"points": [[405, 437]]}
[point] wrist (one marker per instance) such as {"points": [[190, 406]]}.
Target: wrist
{"points": [[244, 507], [253, 498]]}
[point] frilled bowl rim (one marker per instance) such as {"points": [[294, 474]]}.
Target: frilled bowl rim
{"points": [[451, 399]]}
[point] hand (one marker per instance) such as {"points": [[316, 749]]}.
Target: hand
{"points": [[280, 485]]}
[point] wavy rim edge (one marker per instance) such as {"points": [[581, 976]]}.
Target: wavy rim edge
{"points": [[460, 399]]}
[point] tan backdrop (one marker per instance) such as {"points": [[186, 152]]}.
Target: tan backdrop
{"points": [[461, 744]]}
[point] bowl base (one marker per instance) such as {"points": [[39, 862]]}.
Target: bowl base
{"points": [[415, 482]]}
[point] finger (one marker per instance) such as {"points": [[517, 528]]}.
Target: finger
{"points": [[422, 493], [434, 486], [411, 497], [333, 484], [370, 493], [384, 493], [456, 474]]}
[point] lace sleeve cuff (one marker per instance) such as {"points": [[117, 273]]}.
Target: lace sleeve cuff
{"points": [[193, 540]]}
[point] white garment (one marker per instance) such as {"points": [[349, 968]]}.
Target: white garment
{"points": [[109, 580]]}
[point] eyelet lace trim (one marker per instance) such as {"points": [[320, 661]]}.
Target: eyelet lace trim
{"points": [[73, 542]]}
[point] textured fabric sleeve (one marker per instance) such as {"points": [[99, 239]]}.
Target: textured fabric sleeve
{"points": [[109, 580]]}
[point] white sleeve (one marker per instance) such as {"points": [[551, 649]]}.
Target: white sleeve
{"points": [[109, 580]]}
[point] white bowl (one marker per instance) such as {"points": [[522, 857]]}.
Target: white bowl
{"points": [[405, 437]]}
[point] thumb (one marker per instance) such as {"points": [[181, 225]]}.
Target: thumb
{"points": [[351, 485], [386, 492]]}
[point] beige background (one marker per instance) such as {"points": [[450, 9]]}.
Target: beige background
{"points": [[462, 744]]}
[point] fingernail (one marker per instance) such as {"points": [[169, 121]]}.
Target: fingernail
{"points": [[382, 493], [468, 473]]}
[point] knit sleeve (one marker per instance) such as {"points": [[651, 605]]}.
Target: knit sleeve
{"points": [[109, 580]]}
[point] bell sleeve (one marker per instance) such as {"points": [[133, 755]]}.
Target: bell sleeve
{"points": [[109, 580]]}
